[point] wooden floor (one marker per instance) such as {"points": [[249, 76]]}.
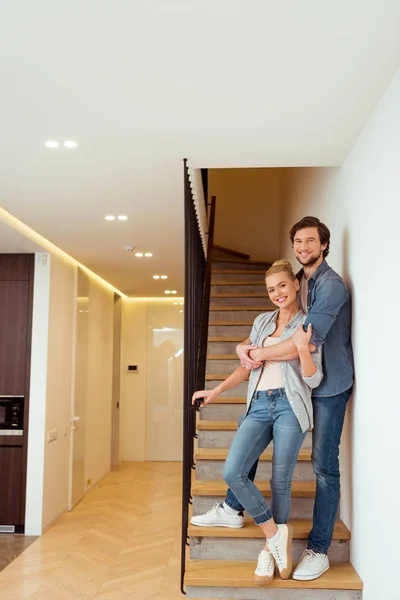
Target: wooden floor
{"points": [[122, 541]]}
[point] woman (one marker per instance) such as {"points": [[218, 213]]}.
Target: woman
{"points": [[279, 408]]}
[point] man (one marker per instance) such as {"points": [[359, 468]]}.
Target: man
{"points": [[324, 296]]}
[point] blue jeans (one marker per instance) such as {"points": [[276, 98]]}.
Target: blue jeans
{"points": [[328, 424], [270, 417]]}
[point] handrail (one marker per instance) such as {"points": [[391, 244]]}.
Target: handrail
{"points": [[197, 301]]}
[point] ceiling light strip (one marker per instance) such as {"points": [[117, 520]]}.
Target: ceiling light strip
{"points": [[196, 185]]}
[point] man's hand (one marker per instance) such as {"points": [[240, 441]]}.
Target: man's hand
{"points": [[302, 338], [245, 354], [207, 396]]}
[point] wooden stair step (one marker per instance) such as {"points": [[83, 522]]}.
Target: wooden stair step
{"points": [[222, 357], [218, 377], [205, 425], [301, 529], [241, 261], [222, 453], [230, 400], [229, 338], [250, 307], [233, 573], [238, 282], [203, 487], [234, 323], [237, 272], [240, 295]]}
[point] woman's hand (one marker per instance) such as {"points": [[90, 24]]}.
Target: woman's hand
{"points": [[207, 396], [302, 338]]}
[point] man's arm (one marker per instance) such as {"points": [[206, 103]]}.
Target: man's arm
{"points": [[285, 350]]}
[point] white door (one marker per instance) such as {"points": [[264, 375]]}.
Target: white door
{"points": [[115, 459], [78, 416]]}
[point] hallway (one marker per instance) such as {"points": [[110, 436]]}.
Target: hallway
{"points": [[121, 541]]}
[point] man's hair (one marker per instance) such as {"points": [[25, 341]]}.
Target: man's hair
{"points": [[280, 266], [323, 231]]}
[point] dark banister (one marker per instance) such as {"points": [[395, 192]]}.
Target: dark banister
{"points": [[197, 300]]}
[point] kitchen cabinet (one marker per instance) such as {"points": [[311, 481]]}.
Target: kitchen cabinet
{"points": [[11, 469]]}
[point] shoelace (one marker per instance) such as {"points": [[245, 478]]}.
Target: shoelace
{"points": [[216, 508], [264, 561], [308, 556]]}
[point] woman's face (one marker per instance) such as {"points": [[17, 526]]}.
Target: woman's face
{"points": [[282, 290]]}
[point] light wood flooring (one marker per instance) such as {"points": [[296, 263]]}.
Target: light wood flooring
{"points": [[122, 541]]}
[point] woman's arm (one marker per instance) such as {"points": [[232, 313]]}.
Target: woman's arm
{"points": [[238, 376]]}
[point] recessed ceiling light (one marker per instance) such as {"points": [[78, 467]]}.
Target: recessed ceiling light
{"points": [[148, 254], [156, 277], [52, 144], [181, 311], [70, 144], [176, 304], [139, 254], [164, 276], [110, 218], [174, 292], [181, 303], [122, 218], [167, 292]]}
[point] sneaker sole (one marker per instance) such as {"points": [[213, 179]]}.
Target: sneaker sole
{"points": [[229, 525], [259, 580], [286, 572], [310, 577]]}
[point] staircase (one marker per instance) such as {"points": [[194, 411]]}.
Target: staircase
{"points": [[222, 561]]}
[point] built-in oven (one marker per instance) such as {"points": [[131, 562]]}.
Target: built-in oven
{"points": [[11, 415]]}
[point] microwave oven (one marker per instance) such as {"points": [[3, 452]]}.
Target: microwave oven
{"points": [[11, 415]]}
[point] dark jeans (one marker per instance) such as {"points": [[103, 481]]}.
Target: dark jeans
{"points": [[328, 425]]}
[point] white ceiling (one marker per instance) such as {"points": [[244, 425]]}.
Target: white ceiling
{"points": [[140, 84]]}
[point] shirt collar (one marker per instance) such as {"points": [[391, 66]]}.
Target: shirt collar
{"points": [[321, 269], [294, 322]]}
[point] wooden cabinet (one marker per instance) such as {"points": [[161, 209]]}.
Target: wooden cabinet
{"points": [[11, 468], [16, 304]]}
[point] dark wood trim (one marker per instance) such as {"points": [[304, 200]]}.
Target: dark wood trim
{"points": [[233, 252], [27, 385], [204, 179]]}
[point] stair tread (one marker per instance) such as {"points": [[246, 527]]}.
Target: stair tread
{"points": [[222, 453], [240, 295], [250, 307], [218, 377], [301, 529], [234, 573], [238, 282], [225, 323], [205, 425], [203, 487], [222, 357], [230, 400], [228, 338], [241, 261], [238, 271]]}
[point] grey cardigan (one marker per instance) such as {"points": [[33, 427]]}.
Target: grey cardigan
{"points": [[297, 387]]}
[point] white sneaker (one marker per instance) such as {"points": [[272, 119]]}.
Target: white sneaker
{"points": [[281, 548], [264, 573], [218, 517], [311, 566]]}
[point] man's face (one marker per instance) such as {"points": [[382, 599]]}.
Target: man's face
{"points": [[307, 246]]}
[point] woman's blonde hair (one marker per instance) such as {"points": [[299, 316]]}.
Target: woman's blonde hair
{"points": [[281, 265]]}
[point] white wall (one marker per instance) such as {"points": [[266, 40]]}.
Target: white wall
{"points": [[359, 203], [52, 378]]}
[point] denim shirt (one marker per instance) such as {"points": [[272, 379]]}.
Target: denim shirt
{"points": [[297, 386], [329, 312]]}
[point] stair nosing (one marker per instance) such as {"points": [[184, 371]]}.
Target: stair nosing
{"points": [[221, 454], [203, 487]]}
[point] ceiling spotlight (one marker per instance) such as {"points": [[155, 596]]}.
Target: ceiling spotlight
{"points": [[70, 144], [139, 254], [167, 292], [156, 277], [174, 292], [52, 144], [148, 254], [176, 304], [110, 218], [122, 218], [181, 311], [164, 276], [181, 303]]}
